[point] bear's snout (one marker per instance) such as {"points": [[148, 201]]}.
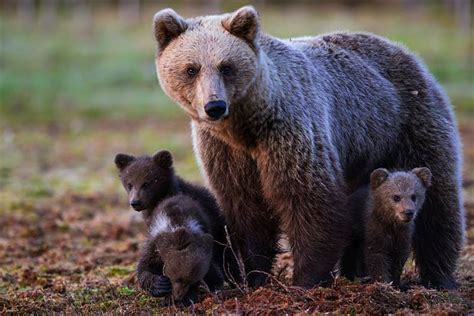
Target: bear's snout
{"points": [[216, 109], [136, 204], [408, 215]]}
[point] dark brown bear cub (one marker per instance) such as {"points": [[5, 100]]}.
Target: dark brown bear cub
{"points": [[180, 247], [382, 239], [151, 181]]}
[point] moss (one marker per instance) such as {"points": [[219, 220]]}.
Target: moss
{"points": [[126, 291], [119, 271]]}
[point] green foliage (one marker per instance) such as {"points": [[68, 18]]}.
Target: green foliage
{"points": [[118, 271], [107, 69], [126, 291]]}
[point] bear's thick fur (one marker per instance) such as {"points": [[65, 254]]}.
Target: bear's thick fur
{"points": [[148, 180], [151, 181], [180, 246], [384, 212], [284, 130]]}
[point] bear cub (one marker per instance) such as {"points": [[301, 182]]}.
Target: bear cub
{"points": [[153, 188], [180, 247], [381, 241], [148, 180]]}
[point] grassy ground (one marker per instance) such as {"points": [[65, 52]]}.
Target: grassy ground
{"points": [[74, 95]]}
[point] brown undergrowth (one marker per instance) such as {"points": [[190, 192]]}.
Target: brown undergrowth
{"points": [[68, 242], [68, 254]]}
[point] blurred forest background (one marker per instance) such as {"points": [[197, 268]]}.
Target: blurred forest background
{"points": [[78, 85]]}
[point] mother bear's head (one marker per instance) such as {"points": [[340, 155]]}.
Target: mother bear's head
{"points": [[206, 64]]}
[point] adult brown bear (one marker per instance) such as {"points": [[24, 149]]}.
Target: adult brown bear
{"points": [[285, 129]]}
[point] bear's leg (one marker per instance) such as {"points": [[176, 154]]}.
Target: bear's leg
{"points": [[309, 193], [214, 278], [260, 249], [254, 233], [252, 224], [316, 246], [150, 273], [378, 266], [352, 259], [439, 232]]}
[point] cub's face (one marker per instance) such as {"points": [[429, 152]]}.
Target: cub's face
{"points": [[207, 64], [187, 258], [146, 179], [402, 194]]}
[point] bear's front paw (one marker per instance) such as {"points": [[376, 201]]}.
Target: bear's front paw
{"points": [[161, 286]]}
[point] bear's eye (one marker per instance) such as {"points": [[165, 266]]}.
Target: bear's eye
{"points": [[397, 198], [226, 70], [191, 71], [145, 185], [129, 186], [413, 198]]}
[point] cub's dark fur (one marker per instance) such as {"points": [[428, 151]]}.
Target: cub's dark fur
{"points": [[149, 181], [382, 239], [180, 246]]}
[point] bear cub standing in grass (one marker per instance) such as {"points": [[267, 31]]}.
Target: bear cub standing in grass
{"points": [[382, 238], [153, 187]]}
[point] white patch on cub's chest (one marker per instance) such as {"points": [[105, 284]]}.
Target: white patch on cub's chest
{"points": [[162, 224]]}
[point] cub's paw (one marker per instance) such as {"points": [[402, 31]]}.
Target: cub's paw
{"points": [[161, 286]]}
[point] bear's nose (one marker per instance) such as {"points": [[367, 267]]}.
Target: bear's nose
{"points": [[409, 214], [135, 204], [215, 109]]}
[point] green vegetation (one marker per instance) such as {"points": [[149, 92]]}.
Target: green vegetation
{"points": [[107, 70]]}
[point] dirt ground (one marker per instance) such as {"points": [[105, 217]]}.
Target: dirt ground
{"points": [[71, 246]]}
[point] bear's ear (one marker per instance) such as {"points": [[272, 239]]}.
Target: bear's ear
{"points": [[378, 176], [243, 23], [167, 25], [123, 160], [163, 159], [182, 239], [424, 174], [163, 242]]}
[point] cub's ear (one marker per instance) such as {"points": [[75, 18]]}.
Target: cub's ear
{"points": [[167, 25], [377, 177], [243, 23], [179, 239], [182, 239], [123, 160], [424, 174], [163, 159], [163, 242]]}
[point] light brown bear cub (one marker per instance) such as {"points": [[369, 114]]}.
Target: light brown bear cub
{"points": [[382, 240]]}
